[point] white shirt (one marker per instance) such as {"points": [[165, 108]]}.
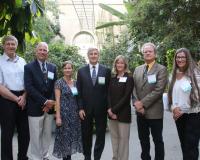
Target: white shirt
{"points": [[12, 72], [96, 68], [181, 96]]}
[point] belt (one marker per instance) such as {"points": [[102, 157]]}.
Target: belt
{"points": [[17, 92]]}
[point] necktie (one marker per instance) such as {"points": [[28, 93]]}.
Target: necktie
{"points": [[43, 67], [44, 71], [94, 75], [145, 71]]}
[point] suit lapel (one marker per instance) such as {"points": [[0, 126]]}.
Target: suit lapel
{"points": [[150, 72], [88, 74], [153, 69], [39, 71], [143, 80], [100, 73]]}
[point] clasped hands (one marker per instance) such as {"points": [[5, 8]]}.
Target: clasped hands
{"points": [[139, 107], [21, 101], [48, 105]]}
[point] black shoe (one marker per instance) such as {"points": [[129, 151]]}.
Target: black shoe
{"points": [[67, 158]]}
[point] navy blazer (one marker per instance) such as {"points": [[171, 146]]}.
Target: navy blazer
{"points": [[38, 90], [93, 97]]}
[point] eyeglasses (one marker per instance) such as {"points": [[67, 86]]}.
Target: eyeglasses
{"points": [[181, 58]]}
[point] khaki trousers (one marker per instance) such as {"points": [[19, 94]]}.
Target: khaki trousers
{"points": [[120, 133], [40, 136]]}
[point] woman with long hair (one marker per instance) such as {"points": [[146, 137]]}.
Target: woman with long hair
{"points": [[184, 97], [119, 112]]}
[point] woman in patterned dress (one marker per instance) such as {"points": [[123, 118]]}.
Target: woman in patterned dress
{"points": [[68, 132]]}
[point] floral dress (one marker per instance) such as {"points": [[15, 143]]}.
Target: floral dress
{"points": [[68, 136]]}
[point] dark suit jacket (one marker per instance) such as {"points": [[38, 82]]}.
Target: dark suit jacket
{"points": [[93, 97], [151, 93], [119, 96], [38, 91]]}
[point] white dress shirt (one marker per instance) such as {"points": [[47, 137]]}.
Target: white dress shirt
{"points": [[12, 72]]}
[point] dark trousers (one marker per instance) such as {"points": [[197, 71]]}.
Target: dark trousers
{"points": [[99, 121], [188, 127], [12, 116], [155, 127]]}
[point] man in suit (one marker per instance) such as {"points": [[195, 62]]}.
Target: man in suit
{"points": [[92, 83], [150, 80], [13, 111], [39, 78]]}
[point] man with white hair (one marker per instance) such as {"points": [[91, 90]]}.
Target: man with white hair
{"points": [[39, 78]]}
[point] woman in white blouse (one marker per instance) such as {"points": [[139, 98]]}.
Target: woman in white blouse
{"points": [[184, 97]]}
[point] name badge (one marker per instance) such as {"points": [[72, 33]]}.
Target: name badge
{"points": [[101, 80], [186, 87], [50, 75], [151, 78], [74, 91], [122, 79]]}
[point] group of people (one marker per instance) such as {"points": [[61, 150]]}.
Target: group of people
{"points": [[31, 95]]}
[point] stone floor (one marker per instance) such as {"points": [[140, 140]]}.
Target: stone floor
{"points": [[172, 147]]}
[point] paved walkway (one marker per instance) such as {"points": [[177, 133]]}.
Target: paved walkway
{"points": [[172, 148]]}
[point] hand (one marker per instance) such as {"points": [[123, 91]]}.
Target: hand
{"points": [[114, 117], [111, 114], [142, 111], [58, 121], [82, 114], [177, 113], [22, 101], [49, 104], [138, 105], [45, 109]]}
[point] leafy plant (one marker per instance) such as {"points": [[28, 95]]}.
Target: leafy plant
{"points": [[169, 59], [123, 17], [17, 16], [123, 46], [167, 23]]}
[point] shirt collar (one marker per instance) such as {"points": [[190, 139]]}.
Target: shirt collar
{"points": [[150, 65], [96, 66], [40, 62], [9, 59]]}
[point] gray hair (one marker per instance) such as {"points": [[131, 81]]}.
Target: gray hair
{"points": [[43, 44], [92, 49], [9, 38], [149, 44]]}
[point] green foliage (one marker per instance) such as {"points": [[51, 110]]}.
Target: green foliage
{"points": [[121, 16], [46, 28], [113, 11], [169, 59], [167, 23], [123, 46], [60, 52], [16, 18]]}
